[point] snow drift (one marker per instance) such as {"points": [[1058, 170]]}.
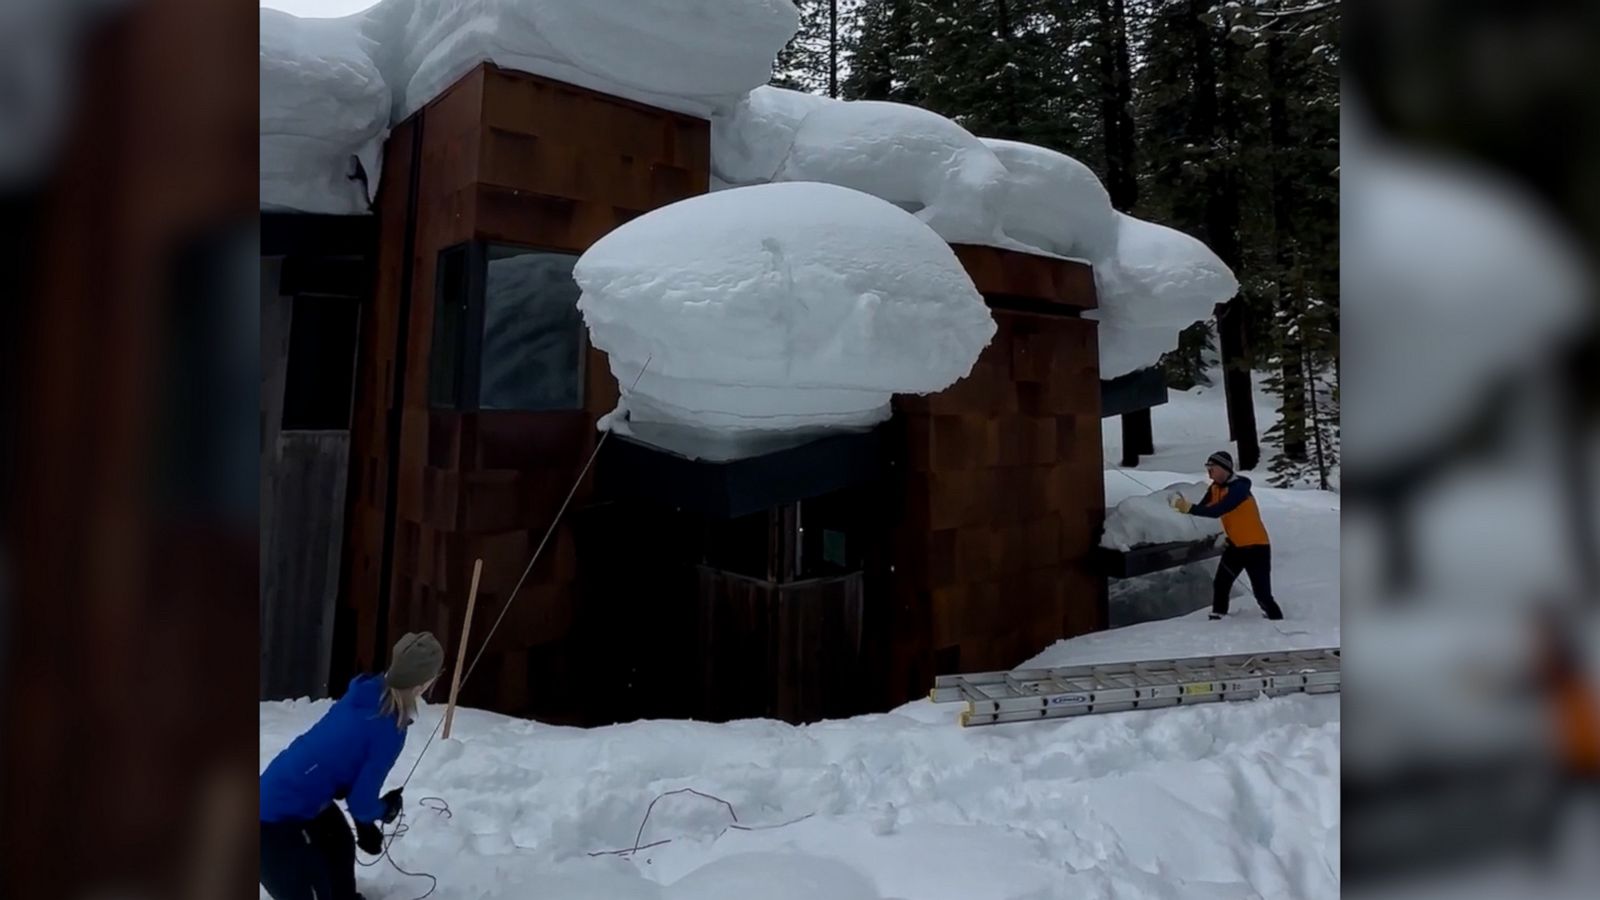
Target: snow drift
{"points": [[1159, 282], [913, 158], [1150, 519], [770, 314], [324, 106]]}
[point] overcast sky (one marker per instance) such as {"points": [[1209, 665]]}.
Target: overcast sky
{"points": [[321, 9]]}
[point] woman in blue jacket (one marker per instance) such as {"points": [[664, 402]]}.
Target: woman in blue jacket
{"points": [[306, 847]]}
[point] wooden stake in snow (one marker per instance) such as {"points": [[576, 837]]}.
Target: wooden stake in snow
{"points": [[461, 654]]}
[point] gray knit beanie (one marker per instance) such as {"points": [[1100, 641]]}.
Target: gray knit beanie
{"points": [[1221, 458], [416, 660]]}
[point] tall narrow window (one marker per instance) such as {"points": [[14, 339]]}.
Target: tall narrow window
{"points": [[532, 332], [452, 311]]}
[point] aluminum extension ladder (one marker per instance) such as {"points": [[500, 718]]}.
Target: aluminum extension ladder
{"points": [[1025, 695]]}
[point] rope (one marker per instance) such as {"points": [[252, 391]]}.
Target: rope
{"points": [[734, 825], [401, 828], [1124, 474], [527, 570]]}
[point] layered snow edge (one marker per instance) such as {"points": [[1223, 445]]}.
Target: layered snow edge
{"points": [[332, 88]]}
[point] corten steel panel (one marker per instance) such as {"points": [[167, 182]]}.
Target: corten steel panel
{"points": [[1005, 468], [524, 160], [1004, 274]]}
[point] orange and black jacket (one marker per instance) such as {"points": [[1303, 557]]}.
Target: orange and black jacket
{"points": [[1233, 503]]}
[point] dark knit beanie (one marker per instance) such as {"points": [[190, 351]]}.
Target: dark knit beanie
{"points": [[1221, 458], [416, 660]]}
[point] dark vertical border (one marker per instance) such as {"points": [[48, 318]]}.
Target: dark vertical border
{"points": [[397, 396]]}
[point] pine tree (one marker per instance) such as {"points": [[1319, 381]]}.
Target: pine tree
{"points": [[810, 61]]}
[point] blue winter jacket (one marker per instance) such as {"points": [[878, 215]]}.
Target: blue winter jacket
{"points": [[347, 754]]}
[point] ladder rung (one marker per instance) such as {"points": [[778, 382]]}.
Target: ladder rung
{"points": [[1059, 692]]}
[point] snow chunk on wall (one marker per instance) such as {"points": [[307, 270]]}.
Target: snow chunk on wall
{"points": [[1160, 282], [915, 159], [772, 314], [692, 56], [1150, 519], [323, 105], [1055, 202]]}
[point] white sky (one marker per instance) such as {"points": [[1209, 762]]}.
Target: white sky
{"points": [[320, 9]]}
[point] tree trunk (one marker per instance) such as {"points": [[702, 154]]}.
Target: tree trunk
{"points": [[1116, 104], [1138, 437], [1008, 87], [1290, 305], [1117, 107], [833, 48], [1215, 125]]}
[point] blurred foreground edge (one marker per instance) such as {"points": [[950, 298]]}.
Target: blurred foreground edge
{"points": [[128, 555]]}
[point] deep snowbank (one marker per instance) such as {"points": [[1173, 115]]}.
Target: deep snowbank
{"points": [[1218, 801], [770, 314]]}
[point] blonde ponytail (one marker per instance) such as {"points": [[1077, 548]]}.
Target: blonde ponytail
{"points": [[402, 704]]}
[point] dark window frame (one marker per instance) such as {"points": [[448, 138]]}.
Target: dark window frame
{"points": [[319, 390], [464, 391]]}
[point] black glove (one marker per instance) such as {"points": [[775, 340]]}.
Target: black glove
{"points": [[369, 837], [392, 805]]}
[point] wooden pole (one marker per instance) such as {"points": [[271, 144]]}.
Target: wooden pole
{"points": [[461, 652]]}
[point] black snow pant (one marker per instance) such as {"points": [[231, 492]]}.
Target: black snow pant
{"points": [[313, 860], [1254, 561]]}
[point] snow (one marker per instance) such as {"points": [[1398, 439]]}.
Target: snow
{"points": [[1151, 519], [771, 314], [1160, 282], [324, 104], [1055, 203], [916, 159], [691, 56], [750, 141], [331, 87], [1452, 279], [1304, 527], [1237, 801], [1153, 281], [1215, 801]]}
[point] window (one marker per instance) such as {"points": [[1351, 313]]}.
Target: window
{"points": [[320, 374], [507, 331]]}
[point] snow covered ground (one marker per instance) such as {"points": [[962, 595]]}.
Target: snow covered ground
{"points": [[1230, 801]]}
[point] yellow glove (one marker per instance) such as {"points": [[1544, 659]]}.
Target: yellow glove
{"points": [[1180, 504]]}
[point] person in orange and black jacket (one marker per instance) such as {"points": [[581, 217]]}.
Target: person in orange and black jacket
{"points": [[1248, 549]]}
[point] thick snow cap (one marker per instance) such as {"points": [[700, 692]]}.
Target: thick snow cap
{"points": [[330, 88], [324, 105], [692, 56], [915, 159], [750, 141], [1159, 282], [772, 314], [1055, 203]]}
